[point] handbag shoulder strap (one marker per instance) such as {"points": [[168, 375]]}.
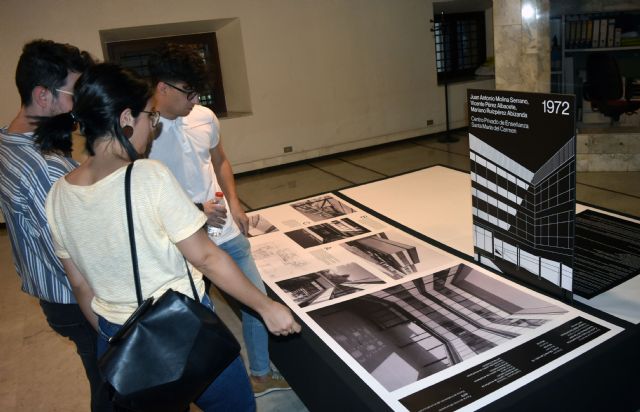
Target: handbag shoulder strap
{"points": [[132, 238], [132, 241]]}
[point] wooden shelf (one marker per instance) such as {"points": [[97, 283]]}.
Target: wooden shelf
{"points": [[569, 79], [597, 49]]}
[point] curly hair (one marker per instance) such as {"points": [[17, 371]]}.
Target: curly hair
{"points": [[179, 63]]}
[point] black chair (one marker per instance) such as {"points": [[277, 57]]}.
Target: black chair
{"points": [[604, 87]]}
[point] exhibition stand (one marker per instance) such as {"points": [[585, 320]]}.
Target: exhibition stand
{"points": [[605, 377], [443, 290]]}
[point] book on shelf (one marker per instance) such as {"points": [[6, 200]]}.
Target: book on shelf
{"points": [[583, 32], [611, 28], [570, 32], [595, 37], [578, 37], [617, 36], [575, 33], [600, 30], [603, 32], [588, 34], [629, 41], [633, 90]]}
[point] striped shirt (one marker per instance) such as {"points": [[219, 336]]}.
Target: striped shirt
{"points": [[26, 175]]}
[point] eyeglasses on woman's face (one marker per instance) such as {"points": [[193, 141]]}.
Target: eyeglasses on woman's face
{"points": [[190, 93], [154, 116]]}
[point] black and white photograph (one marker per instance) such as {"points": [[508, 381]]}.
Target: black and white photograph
{"points": [[395, 255], [523, 167], [328, 284], [407, 332], [326, 232], [259, 225], [322, 208]]}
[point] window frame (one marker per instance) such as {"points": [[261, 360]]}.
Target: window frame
{"points": [[206, 43], [455, 67]]}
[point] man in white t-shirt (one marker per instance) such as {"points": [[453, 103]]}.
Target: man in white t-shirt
{"points": [[189, 145]]}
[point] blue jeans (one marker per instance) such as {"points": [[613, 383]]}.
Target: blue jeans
{"points": [[230, 391], [256, 337], [67, 320]]}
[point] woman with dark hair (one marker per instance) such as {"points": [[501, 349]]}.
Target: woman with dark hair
{"points": [[85, 210]]}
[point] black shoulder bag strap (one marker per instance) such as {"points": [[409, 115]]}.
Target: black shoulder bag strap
{"points": [[132, 241]]}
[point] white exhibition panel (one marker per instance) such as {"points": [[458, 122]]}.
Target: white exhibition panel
{"points": [[342, 270], [437, 203]]}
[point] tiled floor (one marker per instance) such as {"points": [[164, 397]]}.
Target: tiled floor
{"points": [[619, 191], [39, 370]]}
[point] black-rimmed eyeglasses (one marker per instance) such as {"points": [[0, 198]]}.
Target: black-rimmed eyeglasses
{"points": [[190, 93], [154, 117]]}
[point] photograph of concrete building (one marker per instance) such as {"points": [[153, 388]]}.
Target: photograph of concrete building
{"points": [[258, 225], [407, 332], [321, 208], [397, 256], [326, 232], [328, 284]]}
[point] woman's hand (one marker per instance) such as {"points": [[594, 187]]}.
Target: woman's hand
{"points": [[279, 320], [218, 266]]}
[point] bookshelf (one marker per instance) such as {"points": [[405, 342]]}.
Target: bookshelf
{"points": [[575, 36], [603, 49]]}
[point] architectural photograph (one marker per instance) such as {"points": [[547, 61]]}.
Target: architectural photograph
{"points": [[325, 285], [325, 233], [408, 332], [395, 255], [322, 208], [259, 225]]}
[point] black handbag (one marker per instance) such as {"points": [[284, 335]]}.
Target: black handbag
{"points": [[168, 351]]}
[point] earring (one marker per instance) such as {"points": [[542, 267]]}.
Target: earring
{"points": [[127, 131]]}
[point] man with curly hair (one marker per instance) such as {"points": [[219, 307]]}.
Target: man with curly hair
{"points": [[190, 145]]}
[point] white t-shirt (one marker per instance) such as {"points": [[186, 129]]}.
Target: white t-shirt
{"points": [[183, 146], [89, 225]]}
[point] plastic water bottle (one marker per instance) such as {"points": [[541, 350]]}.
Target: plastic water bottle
{"points": [[213, 231]]}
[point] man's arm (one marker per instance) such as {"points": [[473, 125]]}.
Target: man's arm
{"points": [[224, 174], [81, 290]]}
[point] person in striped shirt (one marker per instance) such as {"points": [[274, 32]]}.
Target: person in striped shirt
{"points": [[45, 76]]}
